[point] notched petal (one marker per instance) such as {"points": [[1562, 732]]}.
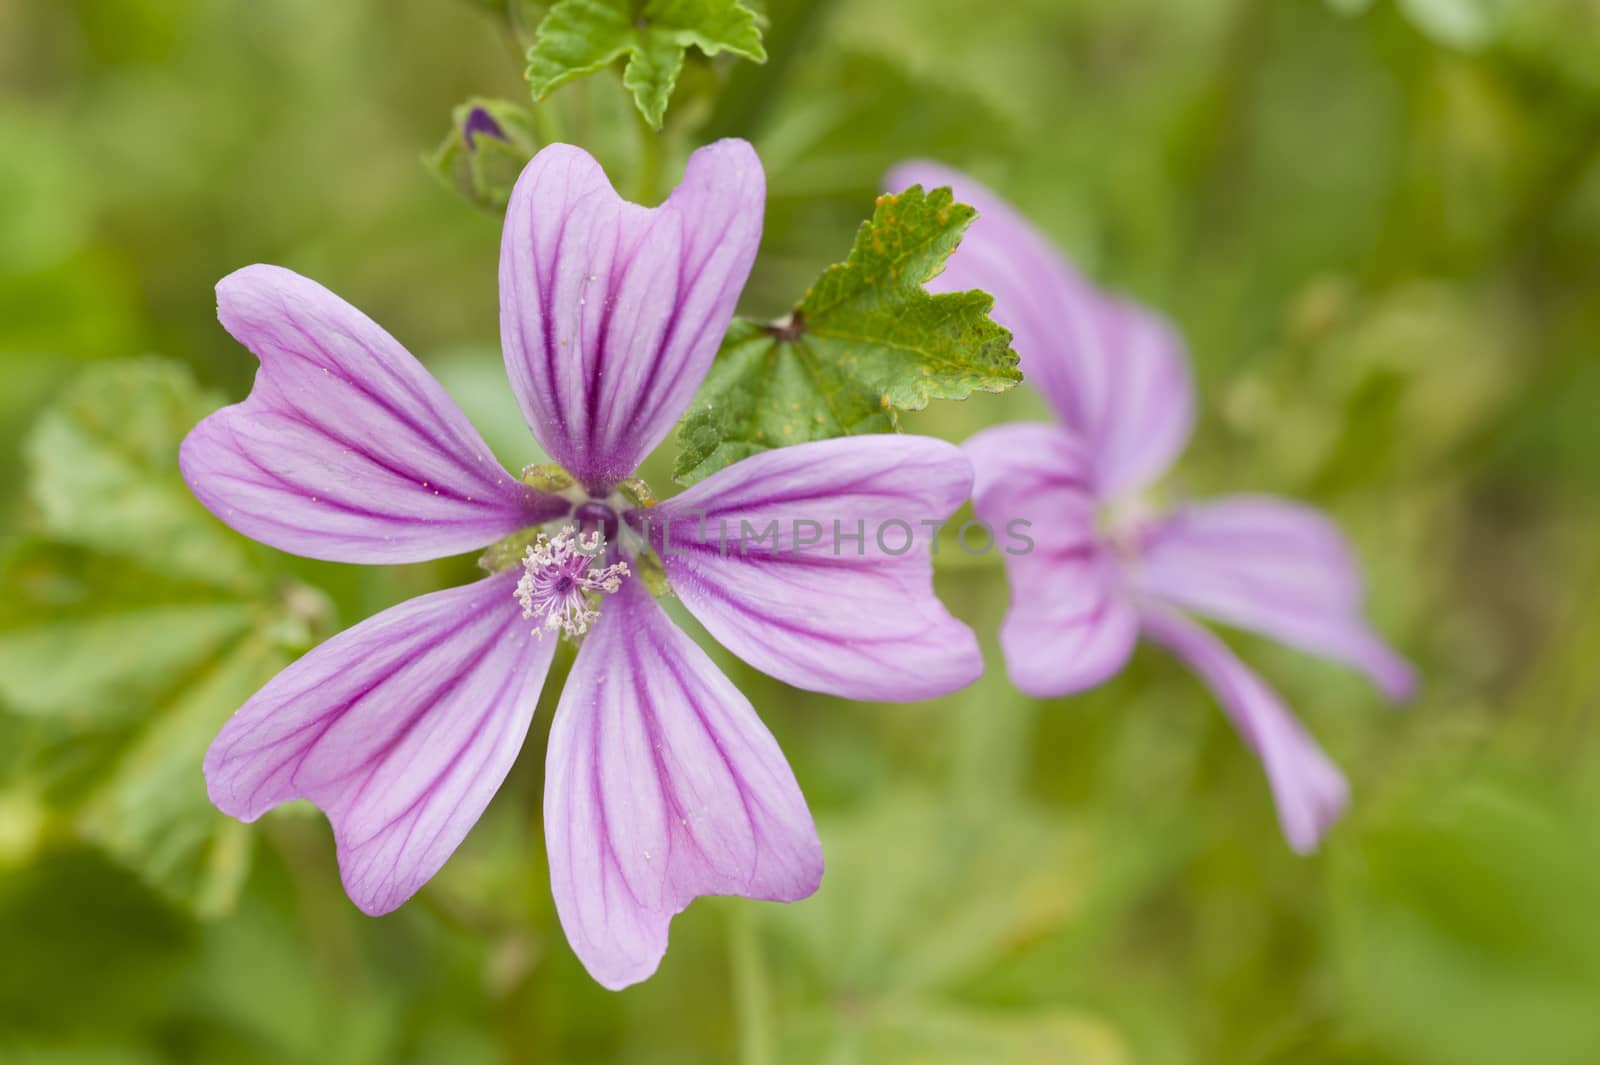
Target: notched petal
{"points": [[662, 785], [610, 313], [346, 448], [400, 729]]}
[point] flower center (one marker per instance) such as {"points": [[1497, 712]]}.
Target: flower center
{"points": [[560, 585], [1123, 524]]}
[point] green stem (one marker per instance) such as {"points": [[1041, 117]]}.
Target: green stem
{"points": [[652, 153], [547, 122], [752, 997]]}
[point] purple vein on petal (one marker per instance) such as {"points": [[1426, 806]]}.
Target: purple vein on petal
{"points": [[662, 785], [346, 449], [400, 729]]}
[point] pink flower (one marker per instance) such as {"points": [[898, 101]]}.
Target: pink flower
{"points": [[662, 784], [1106, 567]]}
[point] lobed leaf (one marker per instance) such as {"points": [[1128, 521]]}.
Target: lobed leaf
{"points": [[579, 37], [866, 342], [132, 624]]}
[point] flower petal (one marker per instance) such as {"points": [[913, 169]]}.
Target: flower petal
{"points": [[661, 785], [1071, 624], [400, 729], [1275, 567], [1309, 790], [610, 313], [346, 448], [1116, 373], [857, 619]]}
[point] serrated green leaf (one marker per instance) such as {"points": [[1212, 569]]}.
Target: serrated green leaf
{"points": [[132, 624], [99, 664], [104, 474], [579, 37], [867, 342]]}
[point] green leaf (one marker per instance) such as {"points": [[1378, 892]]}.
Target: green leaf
{"points": [[1464, 935], [579, 37], [104, 474], [132, 624], [992, 879], [78, 930], [102, 661], [866, 342], [152, 812]]}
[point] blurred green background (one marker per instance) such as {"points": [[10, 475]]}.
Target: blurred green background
{"points": [[1378, 224]]}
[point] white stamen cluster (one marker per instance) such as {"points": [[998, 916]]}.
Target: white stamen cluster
{"points": [[559, 588]]}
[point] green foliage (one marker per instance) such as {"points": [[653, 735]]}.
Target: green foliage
{"points": [[1516, 968], [133, 624], [579, 37], [1459, 23], [95, 938], [1462, 23], [41, 189], [866, 342], [1384, 250], [993, 878], [104, 475]]}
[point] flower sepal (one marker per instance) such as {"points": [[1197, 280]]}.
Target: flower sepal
{"points": [[552, 479], [507, 553], [649, 569], [634, 492]]}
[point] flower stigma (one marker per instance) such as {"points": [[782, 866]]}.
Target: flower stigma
{"points": [[559, 588]]}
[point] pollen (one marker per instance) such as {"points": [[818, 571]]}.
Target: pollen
{"points": [[561, 586]]}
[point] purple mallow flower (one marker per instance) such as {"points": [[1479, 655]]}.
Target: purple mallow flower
{"points": [[662, 784], [1107, 566]]}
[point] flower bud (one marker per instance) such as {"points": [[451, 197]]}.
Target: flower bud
{"points": [[489, 143]]}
